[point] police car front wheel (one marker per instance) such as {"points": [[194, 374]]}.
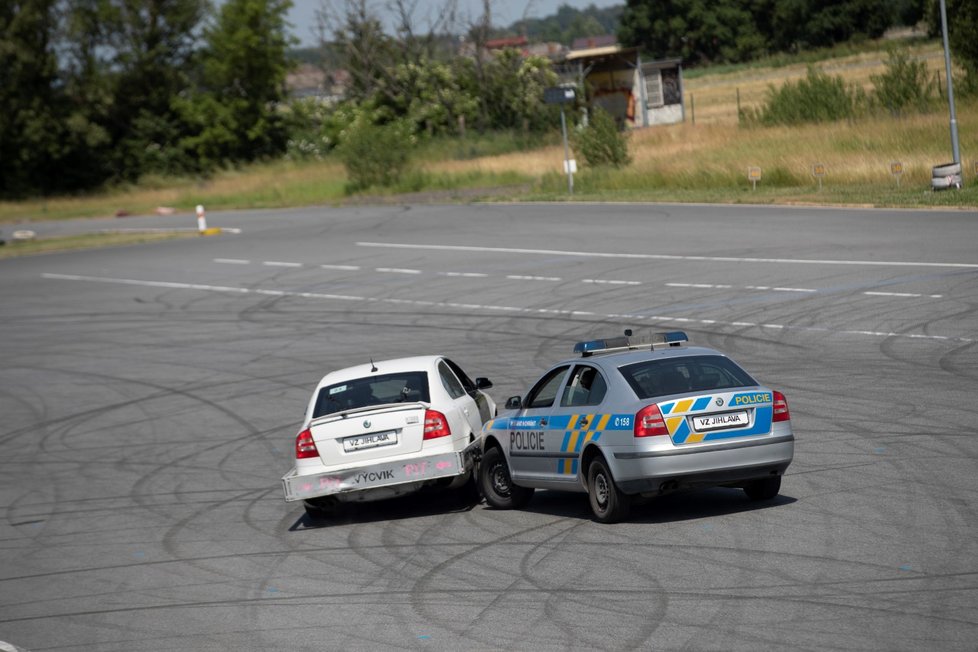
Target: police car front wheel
{"points": [[497, 485], [608, 503]]}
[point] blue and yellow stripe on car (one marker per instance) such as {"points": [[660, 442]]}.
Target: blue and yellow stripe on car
{"points": [[675, 414]]}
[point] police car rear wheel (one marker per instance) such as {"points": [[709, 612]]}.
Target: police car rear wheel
{"points": [[608, 503], [497, 485], [763, 489]]}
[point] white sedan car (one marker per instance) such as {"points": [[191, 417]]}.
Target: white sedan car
{"points": [[386, 429]]}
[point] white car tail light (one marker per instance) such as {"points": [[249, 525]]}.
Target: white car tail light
{"points": [[435, 425], [305, 447]]}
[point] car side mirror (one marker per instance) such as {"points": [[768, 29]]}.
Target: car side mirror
{"points": [[483, 383], [514, 403]]}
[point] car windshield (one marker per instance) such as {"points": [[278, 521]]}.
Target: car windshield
{"points": [[697, 373], [408, 386]]}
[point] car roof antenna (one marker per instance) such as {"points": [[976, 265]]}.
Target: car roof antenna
{"points": [[373, 367]]}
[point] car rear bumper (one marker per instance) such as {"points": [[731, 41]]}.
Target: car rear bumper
{"points": [[414, 471], [655, 472]]}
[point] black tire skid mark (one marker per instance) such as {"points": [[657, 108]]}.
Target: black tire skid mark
{"points": [[426, 584]]}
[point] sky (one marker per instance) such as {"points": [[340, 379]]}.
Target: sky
{"points": [[504, 12]]}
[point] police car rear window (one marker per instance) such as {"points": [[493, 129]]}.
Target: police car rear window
{"points": [[403, 387], [698, 373]]}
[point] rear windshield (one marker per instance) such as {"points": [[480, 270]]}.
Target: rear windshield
{"points": [[408, 386], [697, 373]]}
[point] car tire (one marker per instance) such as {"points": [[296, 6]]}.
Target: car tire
{"points": [[608, 503], [497, 485], [321, 509], [947, 170], [764, 488]]}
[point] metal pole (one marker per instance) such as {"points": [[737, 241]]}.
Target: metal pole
{"points": [[563, 129], [955, 149]]}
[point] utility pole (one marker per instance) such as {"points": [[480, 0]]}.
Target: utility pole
{"points": [[955, 149]]}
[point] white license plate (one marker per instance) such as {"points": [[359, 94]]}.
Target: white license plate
{"points": [[717, 421], [372, 440]]}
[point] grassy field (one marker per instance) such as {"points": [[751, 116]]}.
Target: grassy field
{"points": [[702, 162]]}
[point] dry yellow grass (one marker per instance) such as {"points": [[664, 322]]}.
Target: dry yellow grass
{"points": [[712, 99]]}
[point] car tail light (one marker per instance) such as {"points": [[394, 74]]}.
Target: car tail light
{"points": [[435, 425], [649, 422], [305, 447], [780, 408]]}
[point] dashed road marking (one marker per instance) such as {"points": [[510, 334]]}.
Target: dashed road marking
{"points": [[599, 281], [396, 270], [721, 259], [232, 261], [280, 263], [517, 277], [904, 294], [509, 309], [464, 274], [345, 268]]}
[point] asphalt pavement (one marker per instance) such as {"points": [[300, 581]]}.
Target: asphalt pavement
{"points": [[151, 394]]}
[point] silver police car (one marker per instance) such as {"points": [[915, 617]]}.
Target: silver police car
{"points": [[633, 417]]}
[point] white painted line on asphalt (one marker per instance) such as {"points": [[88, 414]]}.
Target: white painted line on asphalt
{"points": [[698, 285], [599, 281], [232, 261], [279, 263], [396, 270], [515, 277], [345, 268], [464, 274], [721, 259], [475, 306], [903, 294]]}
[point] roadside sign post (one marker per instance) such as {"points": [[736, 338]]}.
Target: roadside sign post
{"points": [[818, 171], [754, 175], [201, 219], [896, 169], [563, 95]]}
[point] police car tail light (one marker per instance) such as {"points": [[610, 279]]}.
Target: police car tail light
{"points": [[780, 408], [305, 447], [649, 422], [435, 425]]}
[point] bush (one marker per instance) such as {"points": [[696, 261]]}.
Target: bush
{"points": [[601, 143], [375, 155], [905, 84], [816, 98]]}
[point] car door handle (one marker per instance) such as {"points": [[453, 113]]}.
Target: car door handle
{"points": [[543, 421]]}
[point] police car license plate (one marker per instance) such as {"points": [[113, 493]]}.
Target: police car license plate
{"points": [[372, 440], [718, 421]]}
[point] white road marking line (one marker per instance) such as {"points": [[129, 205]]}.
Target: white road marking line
{"points": [[903, 294], [794, 290], [724, 259], [516, 277], [232, 261], [396, 270], [698, 285], [464, 274], [471, 306], [345, 268], [279, 263], [609, 282]]}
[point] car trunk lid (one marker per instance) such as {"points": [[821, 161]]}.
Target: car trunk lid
{"points": [[718, 416], [368, 434]]}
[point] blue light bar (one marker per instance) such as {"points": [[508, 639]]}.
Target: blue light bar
{"points": [[656, 340]]}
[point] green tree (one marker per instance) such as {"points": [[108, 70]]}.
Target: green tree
{"points": [[149, 44], [904, 84], [601, 142], [30, 133], [233, 116], [962, 26]]}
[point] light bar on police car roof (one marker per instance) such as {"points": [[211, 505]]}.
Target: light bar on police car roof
{"points": [[653, 342]]}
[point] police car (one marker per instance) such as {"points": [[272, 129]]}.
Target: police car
{"points": [[386, 429], [635, 417]]}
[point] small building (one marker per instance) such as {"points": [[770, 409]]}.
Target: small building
{"points": [[635, 93]]}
